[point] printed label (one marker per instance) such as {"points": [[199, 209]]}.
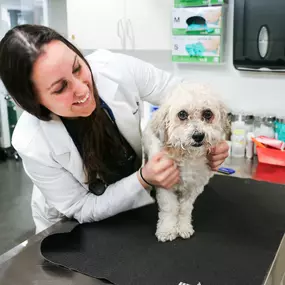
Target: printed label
{"points": [[196, 49], [197, 21]]}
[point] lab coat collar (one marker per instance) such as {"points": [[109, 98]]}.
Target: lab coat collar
{"points": [[57, 135], [107, 89]]}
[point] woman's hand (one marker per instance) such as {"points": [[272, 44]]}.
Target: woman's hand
{"points": [[218, 155], [160, 171]]}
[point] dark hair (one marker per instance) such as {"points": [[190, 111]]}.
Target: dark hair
{"points": [[19, 49]]}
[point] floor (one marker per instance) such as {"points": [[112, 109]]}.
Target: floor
{"points": [[16, 224]]}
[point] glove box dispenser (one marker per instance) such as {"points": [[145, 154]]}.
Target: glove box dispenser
{"points": [[259, 35]]}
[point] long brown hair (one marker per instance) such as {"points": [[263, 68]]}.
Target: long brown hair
{"points": [[19, 49]]}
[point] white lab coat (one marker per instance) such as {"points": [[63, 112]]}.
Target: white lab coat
{"points": [[52, 161]]}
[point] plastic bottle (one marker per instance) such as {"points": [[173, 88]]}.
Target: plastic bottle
{"points": [[238, 137], [249, 146], [267, 127], [249, 121], [276, 128], [257, 130]]}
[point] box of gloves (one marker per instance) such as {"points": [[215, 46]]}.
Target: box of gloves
{"points": [[191, 3], [200, 49], [197, 21]]}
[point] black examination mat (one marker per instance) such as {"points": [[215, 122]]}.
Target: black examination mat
{"points": [[239, 225]]}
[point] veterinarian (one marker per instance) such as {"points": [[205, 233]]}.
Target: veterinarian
{"points": [[79, 136]]}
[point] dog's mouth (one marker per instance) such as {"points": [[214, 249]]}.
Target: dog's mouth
{"points": [[197, 144]]}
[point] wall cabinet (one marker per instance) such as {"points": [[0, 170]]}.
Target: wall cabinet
{"points": [[120, 24]]}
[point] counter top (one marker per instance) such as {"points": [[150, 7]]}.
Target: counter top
{"points": [[24, 264]]}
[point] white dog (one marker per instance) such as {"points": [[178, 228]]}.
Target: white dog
{"points": [[187, 124]]}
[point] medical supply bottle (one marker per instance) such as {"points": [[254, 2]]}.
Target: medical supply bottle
{"points": [[238, 137]]}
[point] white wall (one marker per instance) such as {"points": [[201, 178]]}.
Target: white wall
{"points": [[249, 92], [17, 4], [57, 16], [4, 27], [243, 91]]}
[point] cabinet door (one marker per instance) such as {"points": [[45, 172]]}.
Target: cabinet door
{"points": [[95, 24], [148, 23]]}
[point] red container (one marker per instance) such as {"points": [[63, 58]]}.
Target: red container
{"points": [[271, 165], [270, 173], [271, 156]]}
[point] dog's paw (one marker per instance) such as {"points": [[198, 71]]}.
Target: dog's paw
{"points": [[185, 230], [164, 236]]}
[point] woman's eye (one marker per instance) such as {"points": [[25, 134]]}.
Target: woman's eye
{"points": [[207, 115], [63, 86], [183, 115], [77, 69]]}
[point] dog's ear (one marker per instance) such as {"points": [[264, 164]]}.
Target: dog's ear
{"points": [[225, 121], [160, 122]]}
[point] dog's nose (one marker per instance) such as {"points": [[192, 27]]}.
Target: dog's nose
{"points": [[198, 137]]}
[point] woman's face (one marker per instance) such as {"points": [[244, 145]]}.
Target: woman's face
{"points": [[63, 82]]}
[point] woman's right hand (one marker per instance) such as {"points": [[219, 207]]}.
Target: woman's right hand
{"points": [[160, 171]]}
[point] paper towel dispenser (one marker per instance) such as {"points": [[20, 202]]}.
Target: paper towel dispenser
{"points": [[259, 35]]}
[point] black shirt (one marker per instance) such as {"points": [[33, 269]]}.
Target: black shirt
{"points": [[120, 162]]}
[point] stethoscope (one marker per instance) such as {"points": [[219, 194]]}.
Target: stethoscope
{"points": [[98, 188]]}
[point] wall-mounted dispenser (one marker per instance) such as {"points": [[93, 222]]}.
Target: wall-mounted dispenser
{"points": [[198, 21], [198, 34], [259, 36]]}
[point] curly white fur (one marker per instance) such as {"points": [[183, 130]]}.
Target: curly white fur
{"points": [[167, 131]]}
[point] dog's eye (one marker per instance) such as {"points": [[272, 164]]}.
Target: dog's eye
{"points": [[207, 115], [182, 115]]}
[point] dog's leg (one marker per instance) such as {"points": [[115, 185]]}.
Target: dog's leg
{"points": [[184, 225], [167, 215]]}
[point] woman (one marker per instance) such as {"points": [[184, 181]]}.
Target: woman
{"points": [[79, 136]]}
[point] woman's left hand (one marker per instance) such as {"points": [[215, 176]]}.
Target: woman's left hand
{"points": [[218, 155]]}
